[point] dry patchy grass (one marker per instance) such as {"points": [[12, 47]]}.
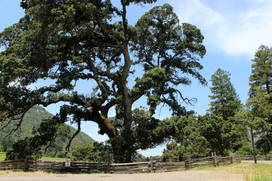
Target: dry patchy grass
{"points": [[251, 171]]}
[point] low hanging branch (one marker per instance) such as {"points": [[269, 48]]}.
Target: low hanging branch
{"points": [[73, 136]]}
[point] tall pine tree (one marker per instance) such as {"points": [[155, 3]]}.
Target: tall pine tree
{"points": [[219, 125], [260, 95], [224, 99]]}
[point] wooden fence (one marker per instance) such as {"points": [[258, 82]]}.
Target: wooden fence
{"points": [[88, 167], [250, 157]]}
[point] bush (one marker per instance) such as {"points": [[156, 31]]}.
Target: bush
{"points": [[246, 149], [93, 153], [269, 154]]}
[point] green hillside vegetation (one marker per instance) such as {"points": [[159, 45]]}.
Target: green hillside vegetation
{"points": [[3, 157], [32, 121]]}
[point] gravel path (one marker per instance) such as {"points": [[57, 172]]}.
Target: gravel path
{"points": [[167, 176]]}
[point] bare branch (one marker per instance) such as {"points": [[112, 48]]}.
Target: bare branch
{"points": [[74, 135]]}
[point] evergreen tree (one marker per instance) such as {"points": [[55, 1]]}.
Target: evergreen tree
{"points": [[219, 126], [185, 138], [224, 99], [65, 42], [260, 95]]}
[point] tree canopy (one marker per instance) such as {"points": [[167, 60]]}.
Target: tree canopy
{"points": [[224, 99], [219, 125], [58, 44], [186, 138], [260, 96]]}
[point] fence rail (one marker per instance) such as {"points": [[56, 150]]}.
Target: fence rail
{"points": [[90, 167], [250, 157]]}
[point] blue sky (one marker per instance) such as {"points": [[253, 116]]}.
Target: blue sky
{"points": [[233, 31]]}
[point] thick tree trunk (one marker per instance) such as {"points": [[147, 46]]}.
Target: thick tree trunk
{"points": [[123, 144], [126, 100], [123, 147]]}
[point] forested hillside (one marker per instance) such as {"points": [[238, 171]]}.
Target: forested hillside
{"points": [[32, 121]]}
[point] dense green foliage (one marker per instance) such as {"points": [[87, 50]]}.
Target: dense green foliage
{"points": [[71, 41], [145, 131], [224, 99], [185, 138], [217, 131], [220, 128], [32, 120], [92, 152], [3, 157], [260, 97]]}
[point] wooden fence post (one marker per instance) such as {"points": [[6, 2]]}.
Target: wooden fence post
{"points": [[109, 162], [188, 163], [215, 160], [231, 159], [239, 159], [26, 165], [152, 164]]}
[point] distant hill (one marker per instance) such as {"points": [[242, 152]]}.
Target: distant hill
{"points": [[33, 119]]}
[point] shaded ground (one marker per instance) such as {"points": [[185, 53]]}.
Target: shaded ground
{"points": [[199, 175]]}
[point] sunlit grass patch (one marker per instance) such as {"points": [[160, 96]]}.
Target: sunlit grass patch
{"points": [[2, 156], [259, 178], [254, 172], [247, 169], [52, 159]]}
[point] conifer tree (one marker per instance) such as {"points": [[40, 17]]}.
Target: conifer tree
{"points": [[219, 126], [224, 99], [260, 95]]}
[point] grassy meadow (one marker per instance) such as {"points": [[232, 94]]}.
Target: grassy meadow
{"points": [[3, 156]]}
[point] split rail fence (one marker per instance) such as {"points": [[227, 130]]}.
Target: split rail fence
{"points": [[250, 157], [88, 167]]}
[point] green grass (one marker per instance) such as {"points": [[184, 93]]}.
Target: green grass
{"points": [[52, 159], [3, 156], [259, 178], [254, 172], [260, 167]]}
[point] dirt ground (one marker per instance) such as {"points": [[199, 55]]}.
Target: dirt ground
{"points": [[166, 176]]}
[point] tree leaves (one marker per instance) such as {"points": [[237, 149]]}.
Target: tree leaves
{"points": [[67, 41]]}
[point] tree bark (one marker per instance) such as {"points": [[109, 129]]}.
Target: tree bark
{"points": [[104, 124]]}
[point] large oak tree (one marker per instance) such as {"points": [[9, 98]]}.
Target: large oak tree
{"points": [[67, 41]]}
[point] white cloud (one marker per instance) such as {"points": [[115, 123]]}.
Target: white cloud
{"points": [[230, 32]]}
